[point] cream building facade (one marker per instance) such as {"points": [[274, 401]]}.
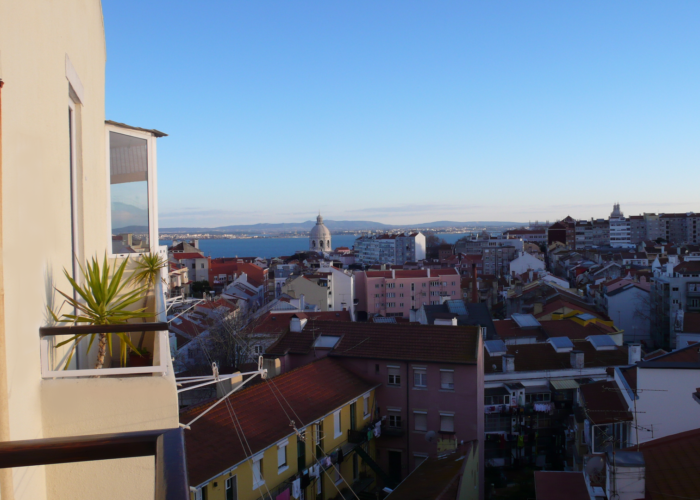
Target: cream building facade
{"points": [[55, 158]]}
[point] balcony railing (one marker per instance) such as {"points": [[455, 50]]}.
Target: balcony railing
{"points": [[161, 353], [168, 447]]}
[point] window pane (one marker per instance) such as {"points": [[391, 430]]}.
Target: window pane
{"points": [[447, 380], [281, 456], [128, 164]]}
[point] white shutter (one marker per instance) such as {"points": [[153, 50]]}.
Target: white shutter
{"points": [[421, 421], [447, 380], [281, 456], [447, 423]]}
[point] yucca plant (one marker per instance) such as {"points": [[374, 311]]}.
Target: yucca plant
{"points": [[146, 273], [104, 302]]}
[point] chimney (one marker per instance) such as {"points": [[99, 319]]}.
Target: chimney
{"points": [[475, 287], [296, 324], [412, 317], [576, 358], [508, 363], [634, 353]]}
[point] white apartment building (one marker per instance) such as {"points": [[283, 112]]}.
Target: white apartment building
{"points": [[393, 249], [619, 228]]}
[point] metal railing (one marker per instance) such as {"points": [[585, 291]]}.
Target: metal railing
{"points": [[166, 445], [161, 353]]}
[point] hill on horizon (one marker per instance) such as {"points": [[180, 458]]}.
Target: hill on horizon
{"points": [[333, 225]]}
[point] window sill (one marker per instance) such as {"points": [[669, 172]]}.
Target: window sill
{"points": [[448, 432], [365, 417], [393, 385], [447, 390], [282, 469], [420, 388], [258, 485], [336, 436]]}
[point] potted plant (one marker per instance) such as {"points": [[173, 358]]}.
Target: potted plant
{"points": [[104, 302], [148, 269]]}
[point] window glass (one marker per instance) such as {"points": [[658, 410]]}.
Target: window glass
{"points": [[395, 420], [394, 376], [281, 456], [420, 378], [447, 380], [128, 165], [447, 423]]}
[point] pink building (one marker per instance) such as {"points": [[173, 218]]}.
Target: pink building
{"points": [[396, 292]]}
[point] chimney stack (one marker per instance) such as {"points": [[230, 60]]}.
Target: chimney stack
{"points": [[475, 287], [508, 363], [634, 353], [576, 358]]}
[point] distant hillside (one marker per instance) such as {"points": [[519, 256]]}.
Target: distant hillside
{"points": [[335, 226]]}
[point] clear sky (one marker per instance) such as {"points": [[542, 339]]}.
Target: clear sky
{"points": [[402, 111]]}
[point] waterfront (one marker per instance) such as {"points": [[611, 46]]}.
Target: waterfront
{"points": [[275, 247]]}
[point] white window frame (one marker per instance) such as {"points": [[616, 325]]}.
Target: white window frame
{"points": [[394, 383], [422, 373], [257, 459], [75, 241], [282, 445], [453, 380], [152, 182], [228, 485], [337, 424], [366, 410]]}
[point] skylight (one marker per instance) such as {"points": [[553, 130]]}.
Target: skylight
{"points": [[456, 307], [326, 341], [495, 347], [602, 342], [525, 321], [561, 344]]}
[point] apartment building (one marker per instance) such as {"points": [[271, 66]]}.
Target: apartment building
{"points": [[390, 248], [528, 235], [430, 382], [619, 228], [72, 183], [638, 229], [329, 288], [653, 226], [396, 292], [671, 293], [302, 434]]}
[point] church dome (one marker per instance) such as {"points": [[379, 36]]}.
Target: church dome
{"points": [[319, 237]]}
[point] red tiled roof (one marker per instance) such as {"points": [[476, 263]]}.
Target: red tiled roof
{"points": [[408, 342], [407, 273], [313, 391], [688, 354], [604, 403], [540, 357], [435, 479], [450, 271], [655, 354], [559, 485], [378, 274], [275, 322], [671, 465], [689, 267], [188, 255]]}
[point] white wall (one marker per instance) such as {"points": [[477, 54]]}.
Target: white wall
{"points": [[525, 262], [622, 309], [665, 402], [420, 246]]}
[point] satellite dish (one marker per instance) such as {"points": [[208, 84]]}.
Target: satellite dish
{"points": [[430, 436]]}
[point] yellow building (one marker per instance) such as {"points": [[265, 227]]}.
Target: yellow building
{"points": [[63, 177], [263, 438]]}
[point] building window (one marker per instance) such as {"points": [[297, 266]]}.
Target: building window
{"points": [[447, 380], [447, 422], [282, 456], [394, 419], [420, 377], [336, 424], [420, 419], [394, 375], [365, 405], [232, 488], [498, 399], [400, 285], [538, 397], [129, 191], [257, 349], [258, 479]]}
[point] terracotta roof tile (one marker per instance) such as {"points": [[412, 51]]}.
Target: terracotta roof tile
{"points": [[313, 391], [427, 343]]}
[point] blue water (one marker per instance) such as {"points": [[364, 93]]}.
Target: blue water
{"points": [[275, 247]]}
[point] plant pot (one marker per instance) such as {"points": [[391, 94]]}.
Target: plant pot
{"points": [[136, 360]]}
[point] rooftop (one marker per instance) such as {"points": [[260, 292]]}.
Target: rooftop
{"points": [[558, 485], [604, 403], [409, 342], [313, 391]]}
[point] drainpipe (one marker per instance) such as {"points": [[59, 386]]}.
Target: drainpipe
{"points": [[6, 480]]}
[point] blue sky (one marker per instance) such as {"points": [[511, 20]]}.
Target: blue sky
{"points": [[411, 111]]}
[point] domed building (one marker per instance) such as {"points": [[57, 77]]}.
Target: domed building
{"points": [[320, 237]]}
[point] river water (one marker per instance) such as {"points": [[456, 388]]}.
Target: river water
{"points": [[275, 247]]}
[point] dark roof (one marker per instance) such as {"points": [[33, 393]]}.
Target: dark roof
{"points": [[688, 354], [278, 322], [477, 315], [691, 322], [313, 391], [153, 131], [434, 479], [558, 485], [408, 342], [538, 357], [672, 463], [604, 403]]}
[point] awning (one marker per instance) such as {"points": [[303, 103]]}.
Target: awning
{"points": [[497, 391], [562, 385]]}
